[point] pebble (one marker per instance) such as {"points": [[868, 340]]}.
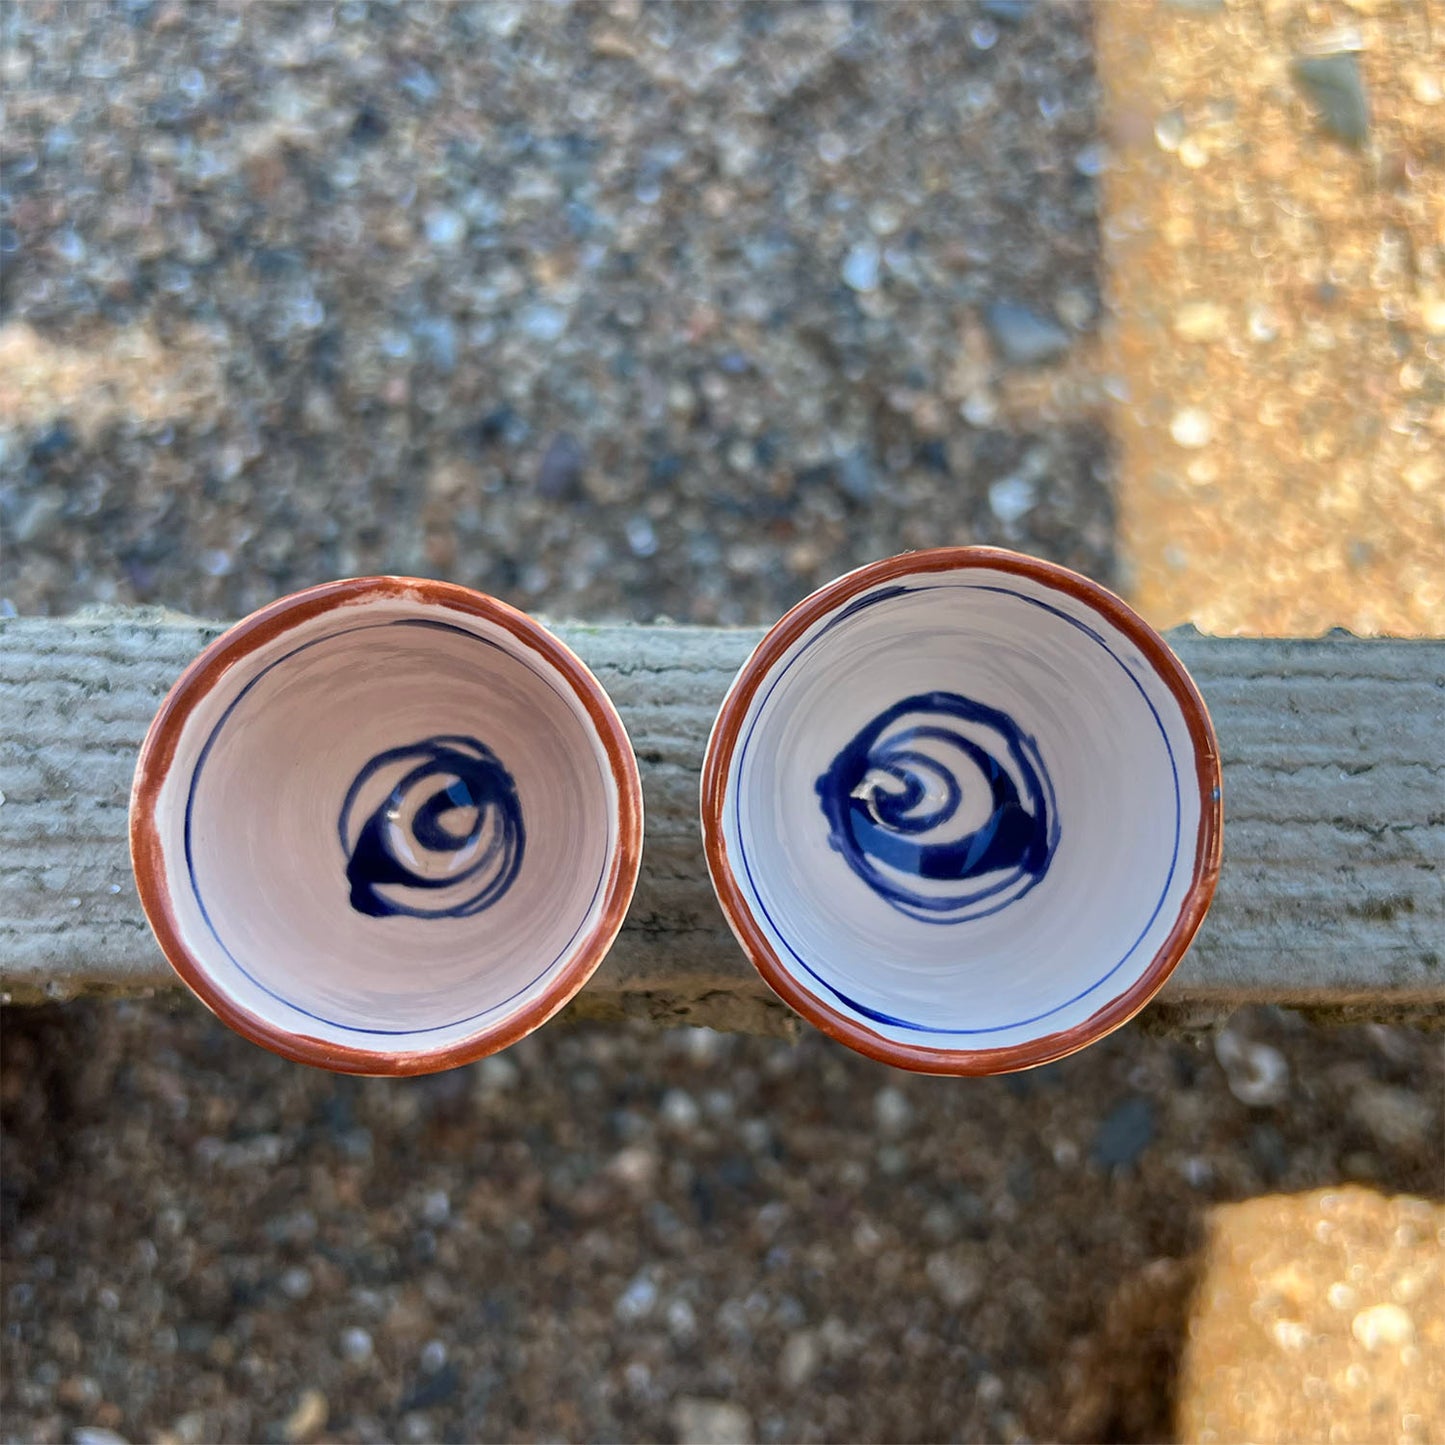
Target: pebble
{"points": [[308, 1419], [860, 267], [356, 1345], [497, 1074], [1012, 498], [560, 472], [1337, 90], [680, 1111], [95, 1435], [802, 1354], [856, 476], [1124, 1134], [1383, 1326], [710, 1422], [957, 1281], [445, 229], [637, 1301], [436, 1208], [892, 1112], [1191, 427], [641, 537], [1022, 335], [681, 1320], [1257, 1074], [542, 322], [1201, 321], [635, 1166], [1396, 1117], [296, 1282]]}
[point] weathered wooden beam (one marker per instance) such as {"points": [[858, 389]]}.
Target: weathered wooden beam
{"points": [[1332, 896]]}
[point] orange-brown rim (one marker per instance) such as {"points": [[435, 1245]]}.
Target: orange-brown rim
{"points": [[717, 767], [261, 628]]}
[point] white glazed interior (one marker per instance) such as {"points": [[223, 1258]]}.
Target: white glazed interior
{"points": [[1116, 749], [263, 902]]}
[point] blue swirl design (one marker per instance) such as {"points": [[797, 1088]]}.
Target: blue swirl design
{"points": [[893, 795], [443, 840]]}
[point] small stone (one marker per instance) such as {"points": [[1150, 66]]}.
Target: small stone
{"points": [[1012, 498], [94, 1435], [634, 1166], [1191, 427], [892, 1112], [711, 1422], [1125, 1133], [1383, 1327], [1290, 1335], [956, 1280], [356, 1345], [1192, 154], [860, 267], [1074, 307], [1169, 131], [497, 1074], [681, 1320], [436, 1208], [980, 408], [680, 1111], [641, 537], [1023, 337], [1256, 1073], [1200, 321], [855, 475], [1397, 1118], [296, 1283], [308, 1419], [445, 229], [192, 1428], [559, 475], [802, 1354], [637, 1301], [1432, 315], [542, 322], [1093, 160], [1426, 89], [1335, 87], [433, 1356]]}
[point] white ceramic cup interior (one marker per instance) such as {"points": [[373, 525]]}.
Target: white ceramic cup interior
{"points": [[1013, 908], [389, 828]]}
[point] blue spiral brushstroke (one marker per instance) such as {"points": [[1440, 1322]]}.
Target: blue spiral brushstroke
{"points": [[886, 798], [459, 775]]}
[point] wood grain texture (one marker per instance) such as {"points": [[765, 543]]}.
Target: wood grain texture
{"points": [[1332, 895]]}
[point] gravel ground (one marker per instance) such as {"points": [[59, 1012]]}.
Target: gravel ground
{"points": [[607, 1235], [611, 311], [616, 312]]}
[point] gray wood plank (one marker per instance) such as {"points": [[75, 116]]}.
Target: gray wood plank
{"points": [[1332, 895]]}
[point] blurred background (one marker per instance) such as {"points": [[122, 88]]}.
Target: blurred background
{"points": [[635, 311]]}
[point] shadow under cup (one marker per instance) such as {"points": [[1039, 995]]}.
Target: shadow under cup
{"points": [[962, 810], [386, 826]]}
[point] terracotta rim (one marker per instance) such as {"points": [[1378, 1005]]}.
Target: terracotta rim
{"points": [[256, 631], [1047, 1047]]}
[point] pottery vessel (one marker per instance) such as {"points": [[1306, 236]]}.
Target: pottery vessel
{"points": [[962, 810], [386, 825]]}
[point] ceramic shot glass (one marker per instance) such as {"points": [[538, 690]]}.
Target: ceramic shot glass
{"points": [[386, 826], [962, 810]]}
